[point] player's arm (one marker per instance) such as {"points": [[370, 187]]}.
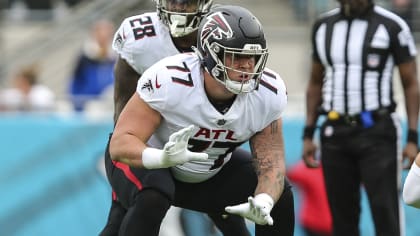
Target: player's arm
{"points": [[267, 148], [135, 125], [125, 85], [268, 151]]}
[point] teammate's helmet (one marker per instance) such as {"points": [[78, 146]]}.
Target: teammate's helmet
{"points": [[182, 16], [235, 32]]}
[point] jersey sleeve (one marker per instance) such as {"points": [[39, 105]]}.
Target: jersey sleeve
{"points": [[282, 96], [403, 45], [316, 31], [134, 38], [411, 190], [167, 84], [123, 42], [278, 87], [152, 87]]}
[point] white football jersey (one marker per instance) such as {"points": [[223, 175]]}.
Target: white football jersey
{"points": [[174, 87], [142, 40]]}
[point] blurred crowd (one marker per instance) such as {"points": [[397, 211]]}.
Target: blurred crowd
{"points": [[36, 9], [26, 93], [91, 78], [39, 4]]}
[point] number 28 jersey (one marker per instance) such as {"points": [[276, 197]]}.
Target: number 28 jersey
{"points": [[175, 88], [142, 40]]}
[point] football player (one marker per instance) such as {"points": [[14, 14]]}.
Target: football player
{"points": [[411, 189], [140, 41], [144, 39], [175, 142]]}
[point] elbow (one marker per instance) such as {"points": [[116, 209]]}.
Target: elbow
{"points": [[114, 153], [114, 156]]}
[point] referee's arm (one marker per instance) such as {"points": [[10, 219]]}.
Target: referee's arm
{"points": [[408, 76], [314, 93]]}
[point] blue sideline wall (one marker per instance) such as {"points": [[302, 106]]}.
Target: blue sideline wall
{"points": [[51, 184]]}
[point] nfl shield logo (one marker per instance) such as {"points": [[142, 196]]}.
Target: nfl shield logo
{"points": [[221, 122], [373, 60]]}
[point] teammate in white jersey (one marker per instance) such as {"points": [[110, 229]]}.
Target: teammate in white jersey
{"points": [[175, 142], [140, 41], [144, 39], [411, 189]]}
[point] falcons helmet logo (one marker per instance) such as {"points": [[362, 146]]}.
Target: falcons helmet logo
{"points": [[215, 27]]}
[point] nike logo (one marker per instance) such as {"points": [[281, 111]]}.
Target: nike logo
{"points": [[157, 84]]}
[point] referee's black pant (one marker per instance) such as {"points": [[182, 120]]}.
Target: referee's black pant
{"points": [[354, 156]]}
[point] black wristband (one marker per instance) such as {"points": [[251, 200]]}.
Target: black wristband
{"points": [[308, 132], [412, 136]]}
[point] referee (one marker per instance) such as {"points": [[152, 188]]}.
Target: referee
{"points": [[355, 49]]}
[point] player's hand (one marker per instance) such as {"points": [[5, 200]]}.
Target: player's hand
{"points": [[257, 209], [175, 151]]}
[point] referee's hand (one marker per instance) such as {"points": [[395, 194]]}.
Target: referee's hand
{"points": [[309, 153], [409, 154]]}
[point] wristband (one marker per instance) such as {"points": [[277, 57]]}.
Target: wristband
{"points": [[412, 136], [264, 197], [152, 158], [308, 132]]}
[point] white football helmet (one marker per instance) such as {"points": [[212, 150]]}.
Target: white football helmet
{"points": [[182, 16]]}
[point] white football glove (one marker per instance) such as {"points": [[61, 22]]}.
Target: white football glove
{"points": [[257, 209], [175, 152]]}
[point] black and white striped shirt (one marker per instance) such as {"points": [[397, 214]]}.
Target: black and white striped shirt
{"points": [[359, 55]]}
